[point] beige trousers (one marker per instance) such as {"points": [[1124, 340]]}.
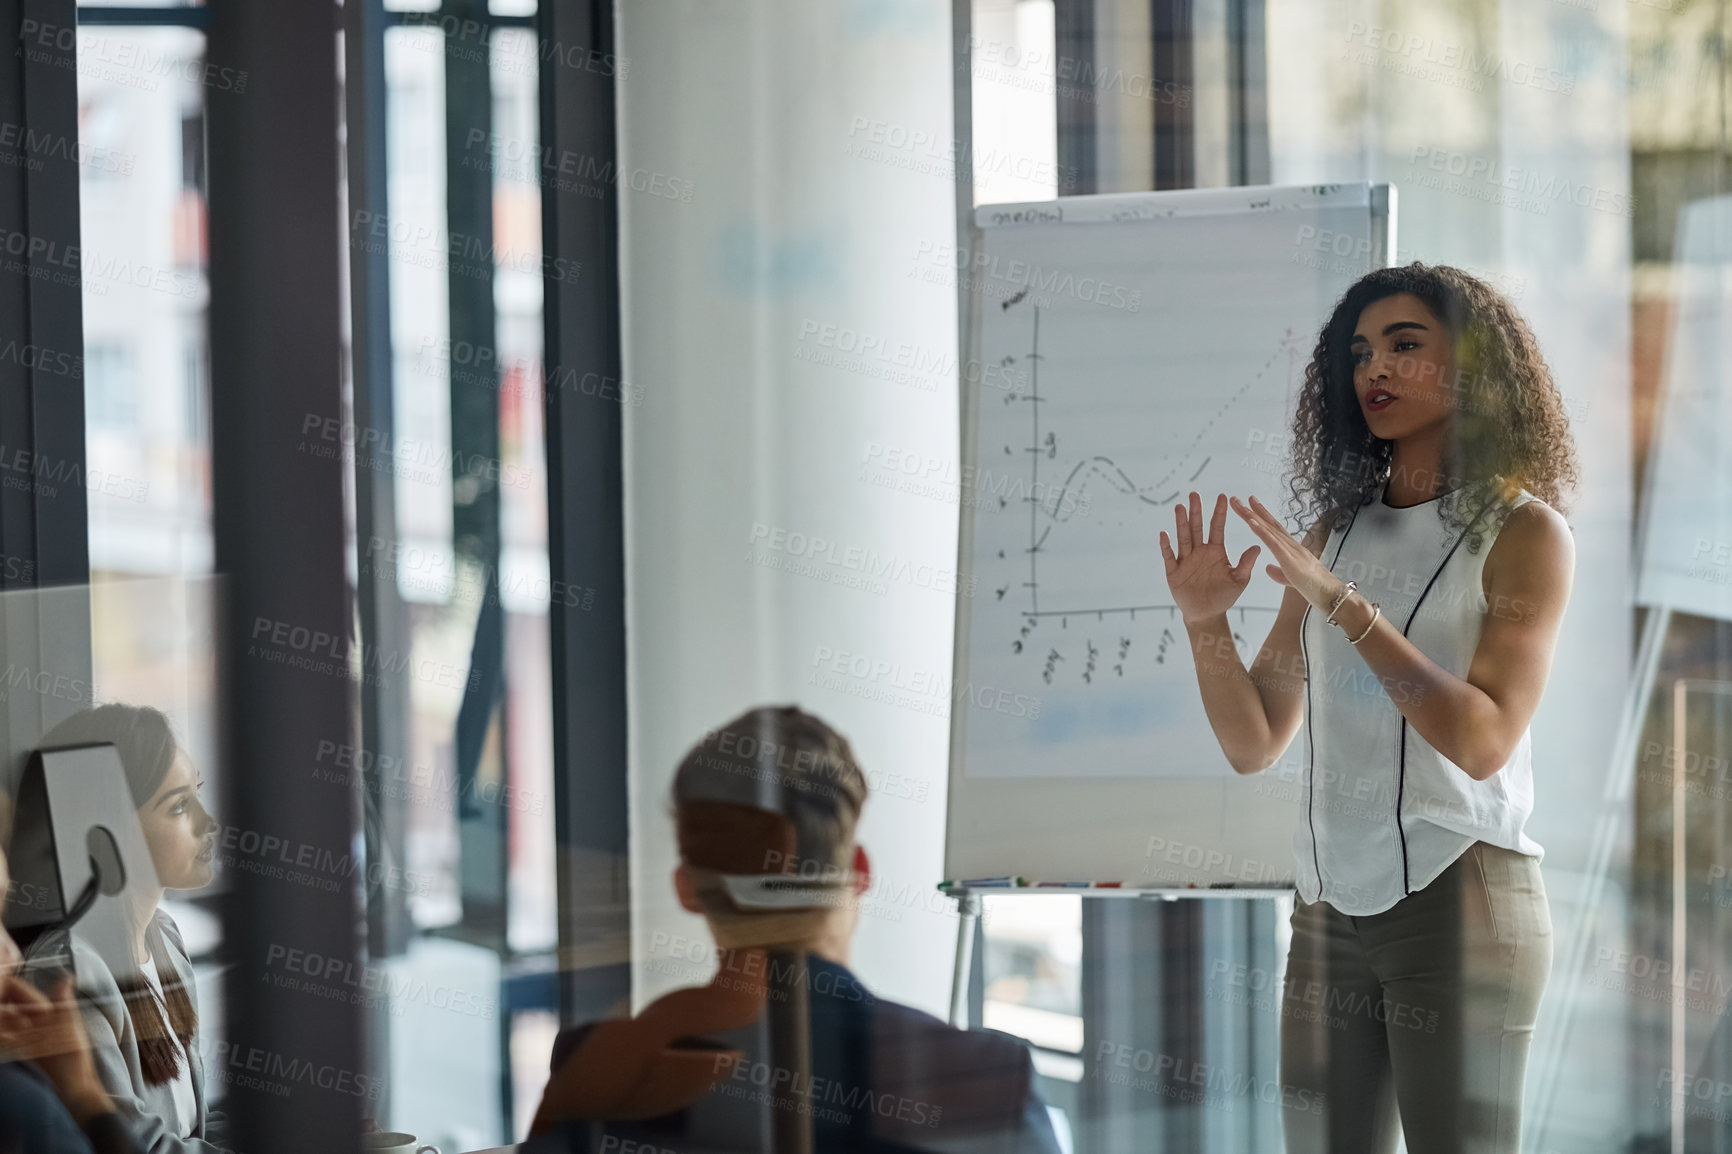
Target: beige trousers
{"points": [[1419, 1017]]}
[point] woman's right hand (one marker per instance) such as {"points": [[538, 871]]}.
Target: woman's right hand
{"points": [[1204, 582]]}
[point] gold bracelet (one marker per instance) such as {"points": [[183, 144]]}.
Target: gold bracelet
{"points": [[1376, 612]]}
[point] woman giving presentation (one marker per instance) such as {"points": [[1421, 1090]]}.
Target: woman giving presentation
{"points": [[1422, 608]]}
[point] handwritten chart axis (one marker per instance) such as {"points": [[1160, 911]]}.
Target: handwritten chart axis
{"points": [[1108, 471]]}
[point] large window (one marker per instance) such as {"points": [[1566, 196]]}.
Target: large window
{"points": [[475, 840], [1558, 152]]}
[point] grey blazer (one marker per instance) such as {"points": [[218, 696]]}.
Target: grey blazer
{"points": [[114, 1045]]}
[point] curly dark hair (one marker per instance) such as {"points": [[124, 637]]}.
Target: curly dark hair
{"points": [[1509, 433]]}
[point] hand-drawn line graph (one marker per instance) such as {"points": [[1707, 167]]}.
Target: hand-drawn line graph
{"points": [[1161, 492], [1100, 419]]}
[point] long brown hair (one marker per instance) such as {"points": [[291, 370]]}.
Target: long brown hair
{"points": [[1510, 431]]}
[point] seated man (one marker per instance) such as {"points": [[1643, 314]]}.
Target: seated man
{"points": [[766, 809]]}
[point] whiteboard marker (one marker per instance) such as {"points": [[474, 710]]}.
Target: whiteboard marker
{"points": [[984, 883]]}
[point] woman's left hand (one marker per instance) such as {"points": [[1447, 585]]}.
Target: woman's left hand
{"points": [[1294, 565]]}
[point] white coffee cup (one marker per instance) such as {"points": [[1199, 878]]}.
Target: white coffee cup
{"points": [[391, 1142]]}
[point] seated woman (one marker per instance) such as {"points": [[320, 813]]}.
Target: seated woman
{"points": [[144, 1030], [51, 1101]]}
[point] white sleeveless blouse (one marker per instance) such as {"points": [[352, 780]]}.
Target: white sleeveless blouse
{"points": [[1385, 813]]}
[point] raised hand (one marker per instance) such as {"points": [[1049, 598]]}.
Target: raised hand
{"points": [[1295, 566], [1203, 580]]}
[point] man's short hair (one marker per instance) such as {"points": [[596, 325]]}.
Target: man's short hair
{"points": [[775, 790]]}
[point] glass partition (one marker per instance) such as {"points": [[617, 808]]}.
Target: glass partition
{"points": [[806, 304]]}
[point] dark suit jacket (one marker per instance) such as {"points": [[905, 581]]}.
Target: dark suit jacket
{"points": [[33, 1121], [885, 1079]]}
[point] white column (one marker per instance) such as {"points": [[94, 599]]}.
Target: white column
{"points": [[786, 167]]}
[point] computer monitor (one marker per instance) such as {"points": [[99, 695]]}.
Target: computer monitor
{"points": [[78, 859]]}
